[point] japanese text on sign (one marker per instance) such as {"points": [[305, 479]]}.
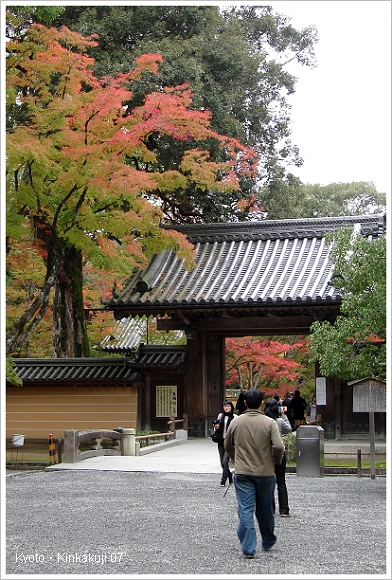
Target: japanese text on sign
{"points": [[166, 400], [321, 391]]}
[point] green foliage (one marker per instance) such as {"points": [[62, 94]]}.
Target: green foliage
{"points": [[288, 198], [146, 432], [354, 347], [21, 17], [339, 199], [235, 63], [11, 375], [290, 442], [282, 198], [85, 171]]}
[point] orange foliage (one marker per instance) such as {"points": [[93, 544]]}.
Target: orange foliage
{"points": [[266, 364], [93, 175]]}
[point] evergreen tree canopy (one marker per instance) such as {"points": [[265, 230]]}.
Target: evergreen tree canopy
{"points": [[235, 63], [354, 347]]}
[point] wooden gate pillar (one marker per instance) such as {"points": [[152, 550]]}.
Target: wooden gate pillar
{"points": [[216, 376], [195, 394], [204, 381]]}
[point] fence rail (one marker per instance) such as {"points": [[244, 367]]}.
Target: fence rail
{"points": [[173, 422], [146, 440], [359, 453]]}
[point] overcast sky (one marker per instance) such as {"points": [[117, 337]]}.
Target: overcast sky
{"points": [[341, 110]]}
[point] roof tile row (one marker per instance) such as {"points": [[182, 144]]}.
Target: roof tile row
{"points": [[249, 262], [89, 370]]}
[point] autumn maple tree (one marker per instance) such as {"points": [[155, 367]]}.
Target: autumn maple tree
{"points": [[268, 364], [84, 178]]}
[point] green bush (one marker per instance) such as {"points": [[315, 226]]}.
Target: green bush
{"points": [[290, 441], [145, 432]]}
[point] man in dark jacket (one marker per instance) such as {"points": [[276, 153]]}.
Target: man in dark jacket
{"points": [[254, 443]]}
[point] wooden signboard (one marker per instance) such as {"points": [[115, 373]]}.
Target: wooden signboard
{"points": [[166, 400], [369, 396]]}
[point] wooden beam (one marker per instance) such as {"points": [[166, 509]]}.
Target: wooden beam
{"points": [[171, 324], [240, 326], [235, 326]]}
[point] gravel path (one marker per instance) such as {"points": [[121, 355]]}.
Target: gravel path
{"points": [[139, 523]]}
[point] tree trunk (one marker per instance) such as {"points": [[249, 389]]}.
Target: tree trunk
{"points": [[23, 328], [69, 325]]}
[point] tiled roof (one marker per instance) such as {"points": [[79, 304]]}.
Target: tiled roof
{"points": [[126, 337], [252, 263], [66, 370], [107, 370], [153, 357]]}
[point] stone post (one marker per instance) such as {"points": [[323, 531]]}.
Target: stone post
{"points": [[129, 447], [71, 446]]}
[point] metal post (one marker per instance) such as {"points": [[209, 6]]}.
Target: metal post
{"points": [[372, 446], [52, 449], [359, 463], [59, 450]]}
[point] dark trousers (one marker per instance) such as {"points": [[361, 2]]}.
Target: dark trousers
{"points": [[224, 460], [283, 499]]}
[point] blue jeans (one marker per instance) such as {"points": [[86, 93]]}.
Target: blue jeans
{"points": [[255, 495]]}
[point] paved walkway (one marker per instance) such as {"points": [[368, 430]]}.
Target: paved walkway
{"points": [[164, 514], [193, 456]]}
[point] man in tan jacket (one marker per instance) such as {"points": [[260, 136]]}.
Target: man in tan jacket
{"points": [[254, 443]]}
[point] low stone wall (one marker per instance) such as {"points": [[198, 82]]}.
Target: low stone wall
{"points": [[124, 442], [73, 440]]}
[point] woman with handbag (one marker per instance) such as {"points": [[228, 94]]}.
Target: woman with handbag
{"points": [[220, 428]]}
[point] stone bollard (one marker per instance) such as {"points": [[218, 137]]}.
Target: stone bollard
{"points": [[181, 434], [129, 447], [71, 446]]}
